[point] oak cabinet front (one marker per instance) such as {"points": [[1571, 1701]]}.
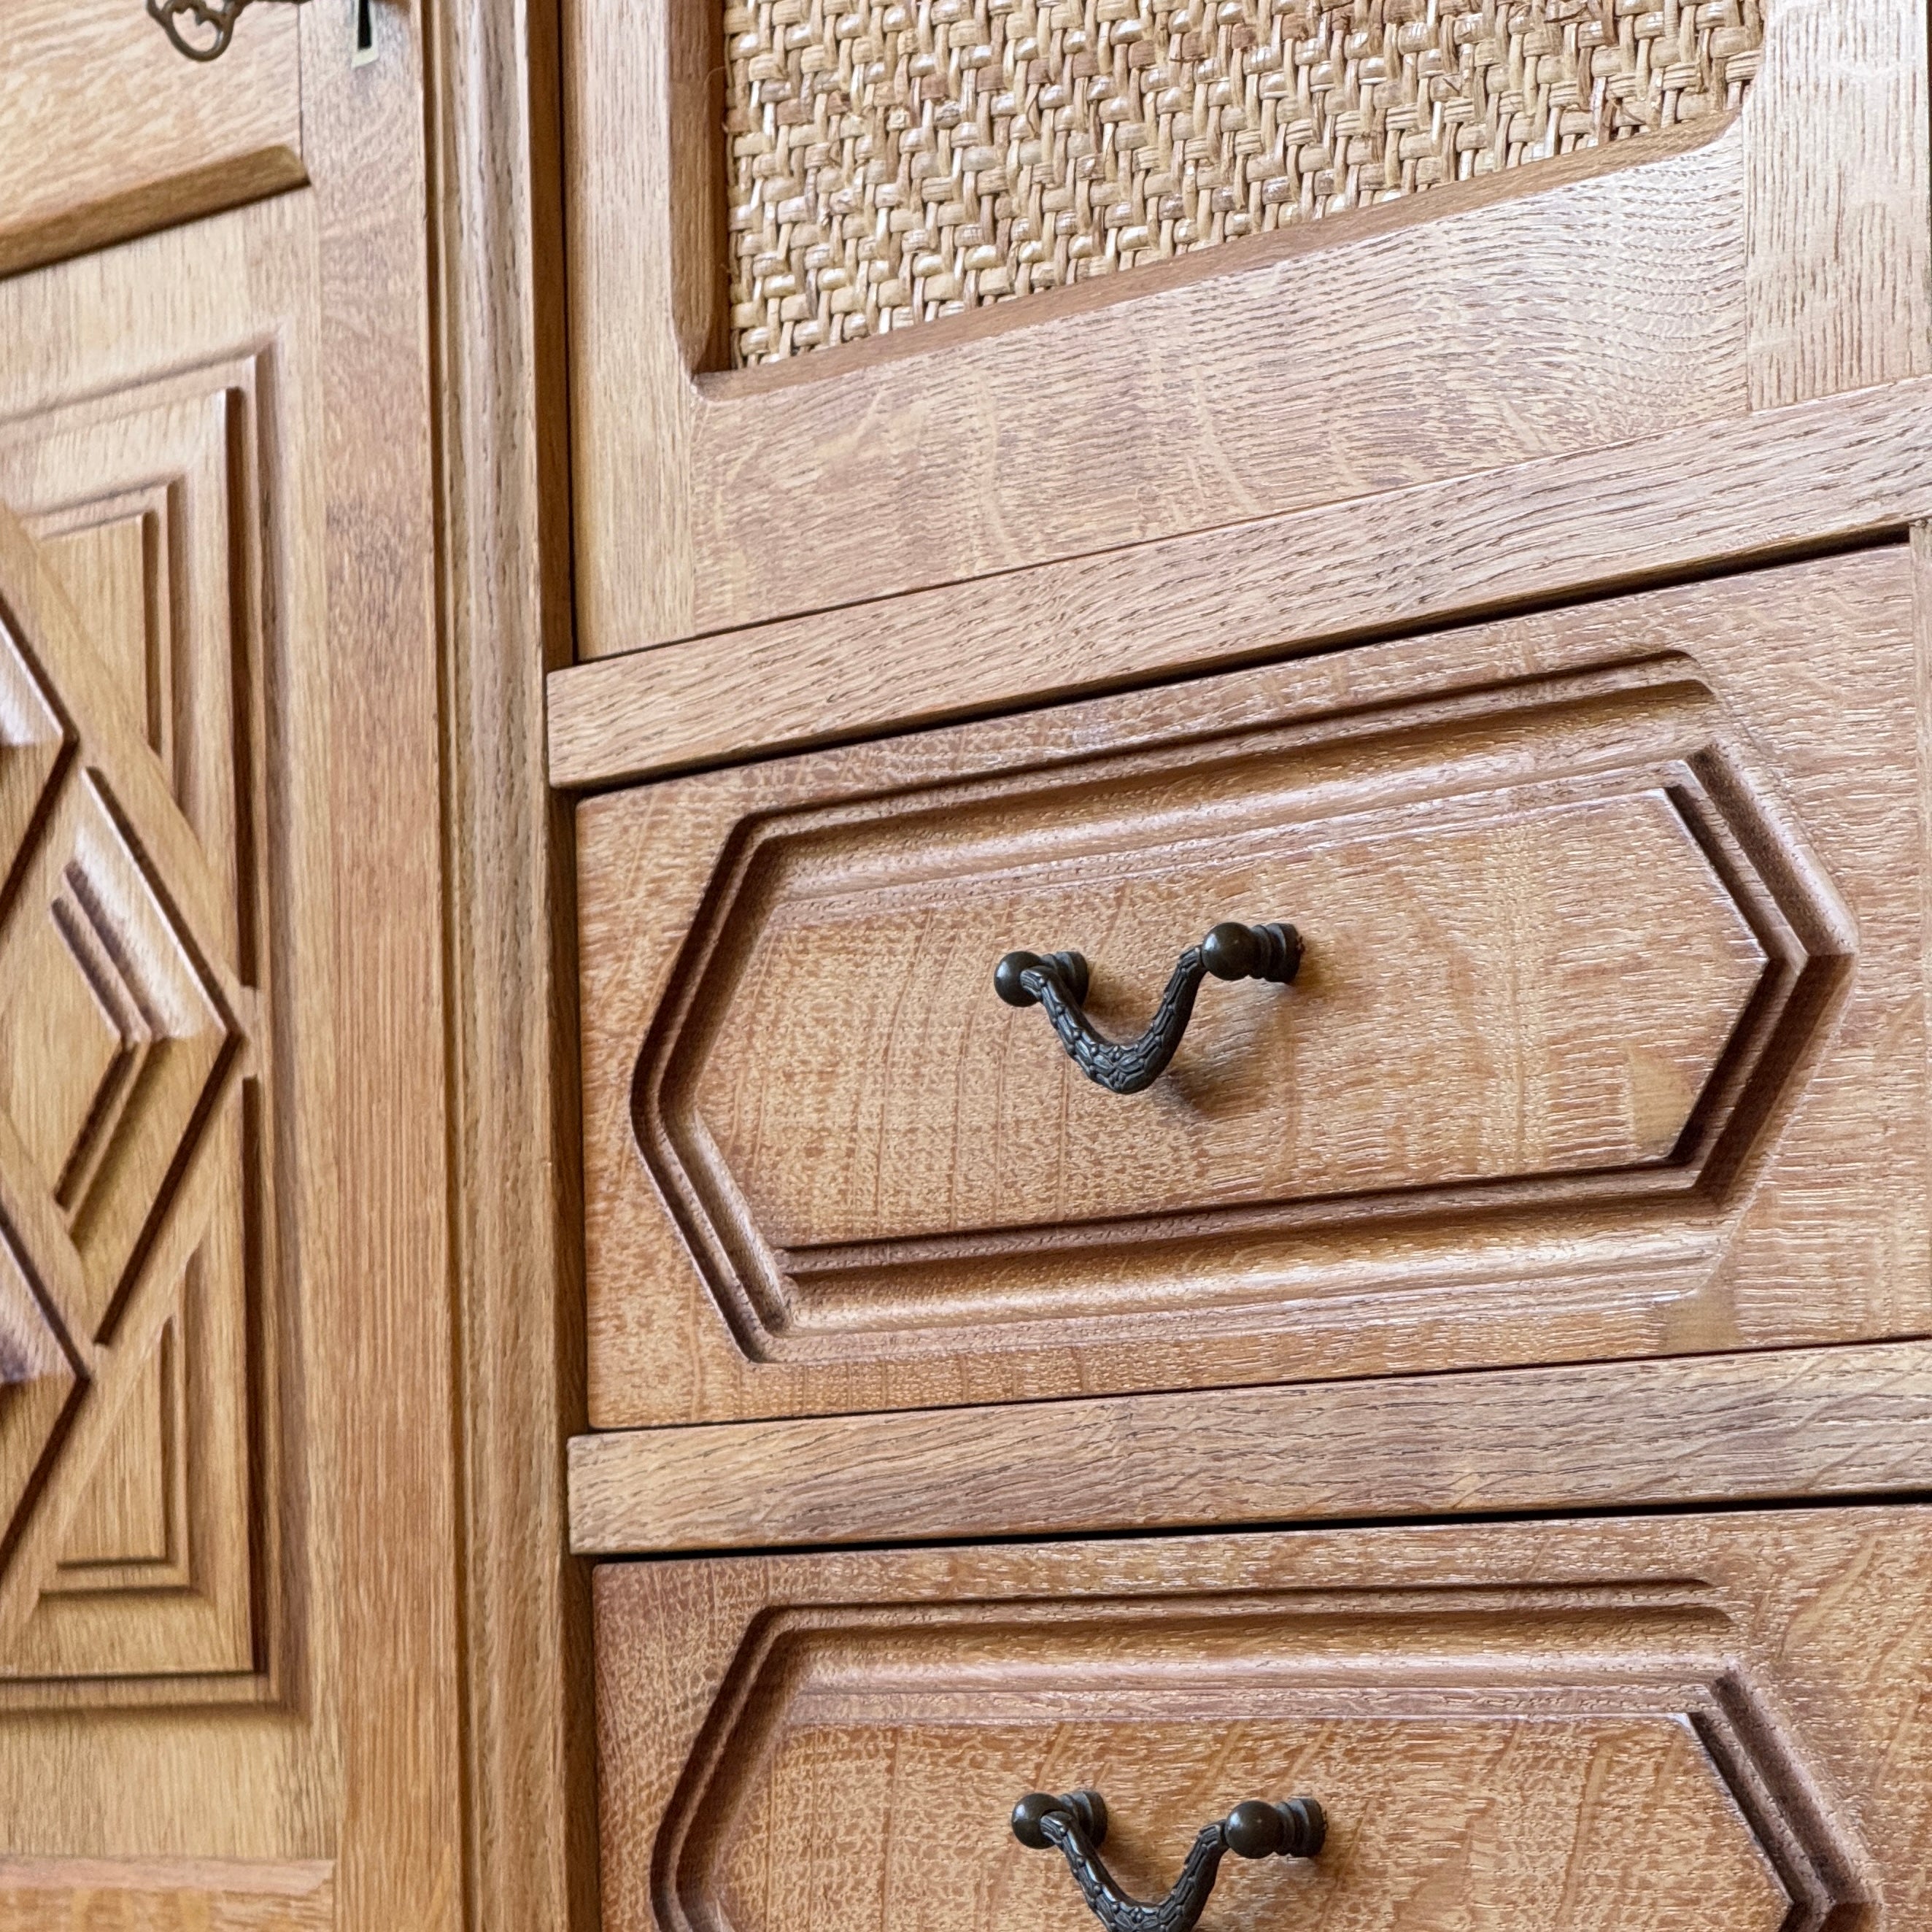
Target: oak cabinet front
{"points": [[1248, 779], [1651, 1726], [1127, 272], [1609, 1038]]}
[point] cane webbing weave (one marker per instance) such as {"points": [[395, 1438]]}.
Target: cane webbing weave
{"points": [[894, 161]]}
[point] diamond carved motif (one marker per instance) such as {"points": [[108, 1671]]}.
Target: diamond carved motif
{"points": [[37, 1378], [31, 742], [136, 1187], [111, 1032]]}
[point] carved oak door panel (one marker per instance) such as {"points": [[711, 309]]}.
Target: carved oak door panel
{"points": [[160, 474], [209, 569], [135, 1076], [163, 969]]}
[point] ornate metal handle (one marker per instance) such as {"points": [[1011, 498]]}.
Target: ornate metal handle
{"points": [[213, 18], [1077, 1825], [1058, 982]]}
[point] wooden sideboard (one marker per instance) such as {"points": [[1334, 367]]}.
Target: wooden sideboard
{"points": [[938, 902], [1439, 480]]}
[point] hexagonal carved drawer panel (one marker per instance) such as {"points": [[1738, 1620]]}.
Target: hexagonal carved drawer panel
{"points": [[1606, 1727], [1582, 914]]}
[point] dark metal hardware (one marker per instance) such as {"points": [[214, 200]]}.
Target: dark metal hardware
{"points": [[1058, 982], [1076, 1825], [213, 20]]}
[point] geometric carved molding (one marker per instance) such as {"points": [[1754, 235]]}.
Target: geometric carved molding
{"points": [[111, 1035], [1559, 934], [38, 1376], [129, 1527], [1503, 1758], [135, 1181]]}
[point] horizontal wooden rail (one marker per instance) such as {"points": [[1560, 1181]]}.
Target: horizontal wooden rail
{"points": [[1787, 1424], [1702, 498]]}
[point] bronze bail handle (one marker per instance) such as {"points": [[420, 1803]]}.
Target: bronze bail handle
{"points": [[1058, 982], [1075, 1824]]}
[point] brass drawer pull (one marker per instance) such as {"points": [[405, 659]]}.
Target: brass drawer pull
{"points": [[1058, 982], [1077, 1825]]}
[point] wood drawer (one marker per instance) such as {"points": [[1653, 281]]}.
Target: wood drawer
{"points": [[1610, 1040], [1671, 1723]]}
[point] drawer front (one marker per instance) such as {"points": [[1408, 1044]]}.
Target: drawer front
{"points": [[1675, 1723], [1609, 1036]]}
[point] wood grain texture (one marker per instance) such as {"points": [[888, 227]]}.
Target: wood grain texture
{"points": [[1569, 1015], [530, 1850], [1463, 335], [1782, 1424], [1838, 249], [140, 1002], [105, 132], [1423, 339], [1680, 502], [164, 1895], [1492, 1717], [391, 1328], [129, 1515], [1469, 298], [874, 1233], [338, 1746], [122, 372]]}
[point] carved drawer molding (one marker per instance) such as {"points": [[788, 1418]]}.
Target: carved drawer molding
{"points": [[1553, 1727], [1605, 965]]}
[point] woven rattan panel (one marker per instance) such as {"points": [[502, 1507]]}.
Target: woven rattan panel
{"points": [[894, 161]]}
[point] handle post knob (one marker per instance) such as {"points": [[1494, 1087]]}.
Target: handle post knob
{"points": [[1088, 1809], [1009, 977]]}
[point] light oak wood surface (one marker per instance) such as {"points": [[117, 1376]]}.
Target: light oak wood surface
{"points": [[1836, 254], [168, 882], [1666, 1723], [1572, 971], [530, 1849], [144, 499], [294, 1319], [1815, 1422], [1435, 336], [865, 1184], [232, 1692], [165, 1895], [1674, 504], [399, 1856], [105, 132]]}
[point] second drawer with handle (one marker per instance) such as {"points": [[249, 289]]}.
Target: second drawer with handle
{"points": [[1552, 989]]}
